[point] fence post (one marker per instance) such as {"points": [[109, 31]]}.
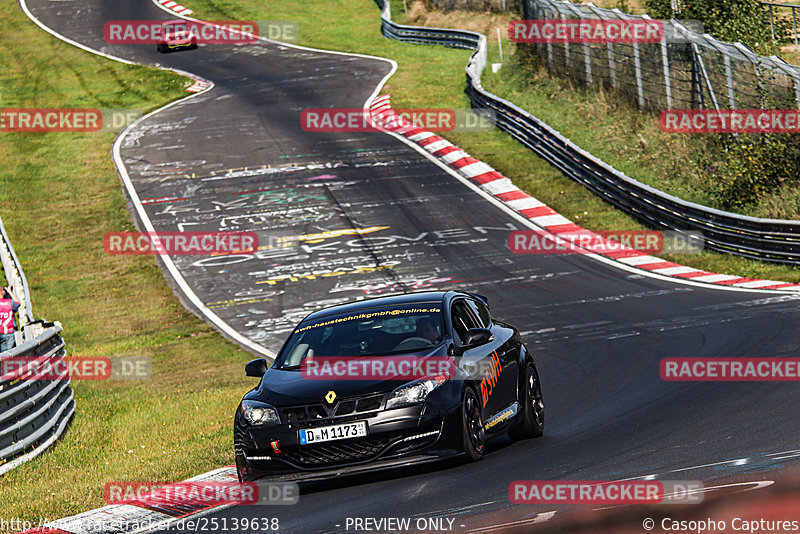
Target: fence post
{"points": [[761, 90], [703, 70], [794, 22], [697, 89], [771, 23], [587, 56], [550, 62], [566, 44], [796, 91], [638, 66], [667, 82], [665, 63], [612, 65], [588, 60], [729, 82]]}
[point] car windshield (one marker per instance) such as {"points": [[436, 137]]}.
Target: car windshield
{"points": [[371, 332]]}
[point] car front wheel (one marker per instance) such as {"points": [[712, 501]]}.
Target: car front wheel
{"points": [[531, 424], [472, 420]]}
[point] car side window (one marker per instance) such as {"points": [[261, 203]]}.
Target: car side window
{"points": [[479, 310], [462, 319]]}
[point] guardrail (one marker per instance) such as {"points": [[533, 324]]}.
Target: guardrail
{"points": [[17, 281], [33, 413], [763, 239]]}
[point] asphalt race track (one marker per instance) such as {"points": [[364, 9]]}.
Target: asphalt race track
{"points": [[377, 216]]}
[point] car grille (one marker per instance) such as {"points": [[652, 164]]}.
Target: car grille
{"points": [[344, 451], [365, 404], [316, 412], [304, 413]]}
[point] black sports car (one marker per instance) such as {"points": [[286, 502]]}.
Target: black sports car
{"points": [[299, 425]]}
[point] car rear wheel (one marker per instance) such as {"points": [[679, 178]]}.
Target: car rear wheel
{"points": [[531, 424], [472, 420]]}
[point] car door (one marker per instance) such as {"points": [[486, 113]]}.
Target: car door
{"points": [[506, 351], [481, 362]]}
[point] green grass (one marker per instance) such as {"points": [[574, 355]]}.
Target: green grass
{"points": [[59, 194]]}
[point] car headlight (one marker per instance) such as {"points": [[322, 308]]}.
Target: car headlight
{"points": [[259, 413], [414, 393]]}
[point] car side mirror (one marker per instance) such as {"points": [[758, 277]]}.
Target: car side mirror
{"points": [[476, 337], [256, 368]]}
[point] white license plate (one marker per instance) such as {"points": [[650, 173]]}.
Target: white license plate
{"points": [[333, 432]]}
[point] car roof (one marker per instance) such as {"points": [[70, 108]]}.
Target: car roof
{"points": [[430, 297]]}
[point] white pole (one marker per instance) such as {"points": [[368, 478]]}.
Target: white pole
{"points": [[612, 65], [500, 44], [638, 66], [665, 61]]}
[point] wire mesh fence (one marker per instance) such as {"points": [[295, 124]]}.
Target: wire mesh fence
{"points": [[685, 70], [783, 22], [496, 6]]}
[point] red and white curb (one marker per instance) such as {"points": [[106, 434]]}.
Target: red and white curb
{"points": [[542, 215], [149, 512], [176, 7], [199, 85]]}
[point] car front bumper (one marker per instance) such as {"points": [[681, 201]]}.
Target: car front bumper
{"points": [[394, 437]]}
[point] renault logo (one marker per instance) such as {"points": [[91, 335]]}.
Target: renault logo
{"points": [[330, 397]]}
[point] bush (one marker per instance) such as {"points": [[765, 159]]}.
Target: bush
{"points": [[745, 21], [742, 170]]}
